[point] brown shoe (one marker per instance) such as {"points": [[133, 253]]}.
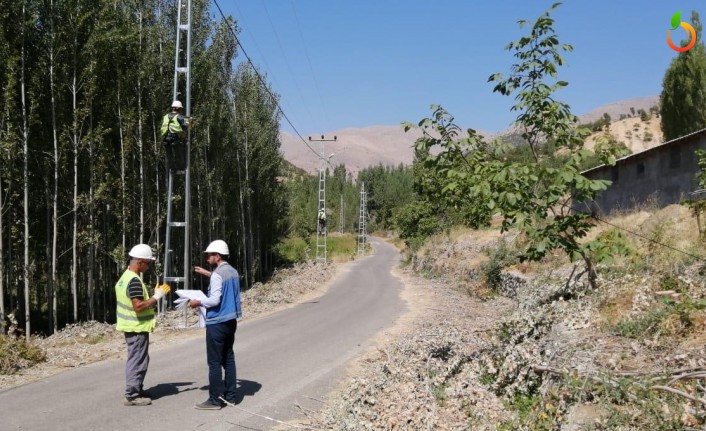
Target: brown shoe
{"points": [[137, 401]]}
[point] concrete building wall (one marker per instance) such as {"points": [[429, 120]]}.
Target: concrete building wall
{"points": [[664, 174]]}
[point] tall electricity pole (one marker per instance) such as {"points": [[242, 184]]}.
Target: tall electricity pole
{"points": [[321, 229], [362, 233], [182, 87]]}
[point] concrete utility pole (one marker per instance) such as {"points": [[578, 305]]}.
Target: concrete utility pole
{"points": [[321, 229], [362, 233], [182, 87], [340, 217]]}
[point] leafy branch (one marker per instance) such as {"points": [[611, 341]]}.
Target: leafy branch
{"points": [[534, 196]]}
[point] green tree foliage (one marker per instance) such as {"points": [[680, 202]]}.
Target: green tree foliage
{"points": [[698, 205], [683, 98], [388, 189], [416, 222], [535, 195], [113, 66]]}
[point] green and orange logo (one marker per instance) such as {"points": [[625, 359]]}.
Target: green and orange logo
{"points": [[677, 22]]}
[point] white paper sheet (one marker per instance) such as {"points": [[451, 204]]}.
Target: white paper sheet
{"points": [[187, 295]]}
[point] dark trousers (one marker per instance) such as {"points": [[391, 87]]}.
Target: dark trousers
{"points": [[220, 357], [176, 155], [138, 359]]}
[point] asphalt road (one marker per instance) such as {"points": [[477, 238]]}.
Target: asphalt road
{"points": [[295, 356]]}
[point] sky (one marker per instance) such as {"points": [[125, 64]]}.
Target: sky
{"points": [[349, 64]]}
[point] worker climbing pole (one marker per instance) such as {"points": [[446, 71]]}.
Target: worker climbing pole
{"points": [[321, 230], [177, 142]]}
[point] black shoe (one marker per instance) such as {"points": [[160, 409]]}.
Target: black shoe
{"points": [[145, 394], [207, 405]]}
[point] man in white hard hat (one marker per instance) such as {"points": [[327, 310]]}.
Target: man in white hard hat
{"points": [[135, 317], [222, 311], [174, 127]]}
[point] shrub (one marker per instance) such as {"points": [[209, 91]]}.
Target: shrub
{"points": [[501, 257], [16, 354]]}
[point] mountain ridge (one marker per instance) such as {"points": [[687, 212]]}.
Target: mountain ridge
{"points": [[362, 147]]}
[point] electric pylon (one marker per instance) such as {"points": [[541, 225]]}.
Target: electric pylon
{"points": [[182, 87], [362, 234], [321, 229]]}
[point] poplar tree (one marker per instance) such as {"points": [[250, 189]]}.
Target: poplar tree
{"points": [[683, 98]]}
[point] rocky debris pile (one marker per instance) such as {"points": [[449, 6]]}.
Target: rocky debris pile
{"points": [[286, 286], [420, 381], [542, 356], [82, 343]]}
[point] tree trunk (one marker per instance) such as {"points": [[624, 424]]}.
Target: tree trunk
{"points": [[122, 170], [91, 218], [250, 250], [55, 200], [25, 181], [2, 250], [242, 205], [139, 134], [74, 247]]}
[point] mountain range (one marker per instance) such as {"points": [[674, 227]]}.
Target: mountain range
{"points": [[359, 148]]}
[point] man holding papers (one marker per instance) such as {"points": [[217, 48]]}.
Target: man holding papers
{"points": [[222, 311]]}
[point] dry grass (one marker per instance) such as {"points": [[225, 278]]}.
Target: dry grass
{"points": [[624, 131], [614, 306]]}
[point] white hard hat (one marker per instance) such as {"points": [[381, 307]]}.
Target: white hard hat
{"points": [[142, 251], [218, 246], [176, 104]]}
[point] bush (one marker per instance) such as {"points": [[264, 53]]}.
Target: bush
{"points": [[500, 258], [416, 222], [16, 354]]}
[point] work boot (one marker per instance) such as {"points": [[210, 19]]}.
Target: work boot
{"points": [[137, 401], [207, 405]]}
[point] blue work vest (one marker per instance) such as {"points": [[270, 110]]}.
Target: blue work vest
{"points": [[229, 307]]}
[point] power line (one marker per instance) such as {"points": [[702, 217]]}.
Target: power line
{"points": [[262, 81], [651, 240], [286, 60], [640, 235], [308, 60]]}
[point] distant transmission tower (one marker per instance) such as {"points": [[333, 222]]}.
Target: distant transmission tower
{"points": [[321, 229], [362, 233]]}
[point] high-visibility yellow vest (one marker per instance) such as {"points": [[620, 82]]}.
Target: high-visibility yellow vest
{"points": [[170, 123], [127, 319]]}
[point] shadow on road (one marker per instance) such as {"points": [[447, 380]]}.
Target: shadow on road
{"points": [[167, 389], [244, 388]]}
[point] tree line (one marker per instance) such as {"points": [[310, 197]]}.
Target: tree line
{"points": [[84, 86]]}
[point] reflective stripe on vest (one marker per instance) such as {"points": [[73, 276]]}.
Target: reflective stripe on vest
{"points": [[170, 123], [127, 319]]}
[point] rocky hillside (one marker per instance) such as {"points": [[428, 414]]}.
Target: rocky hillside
{"points": [[636, 134], [359, 148]]}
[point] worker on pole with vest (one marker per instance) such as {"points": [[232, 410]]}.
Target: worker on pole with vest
{"points": [[322, 221], [136, 318], [174, 128]]}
